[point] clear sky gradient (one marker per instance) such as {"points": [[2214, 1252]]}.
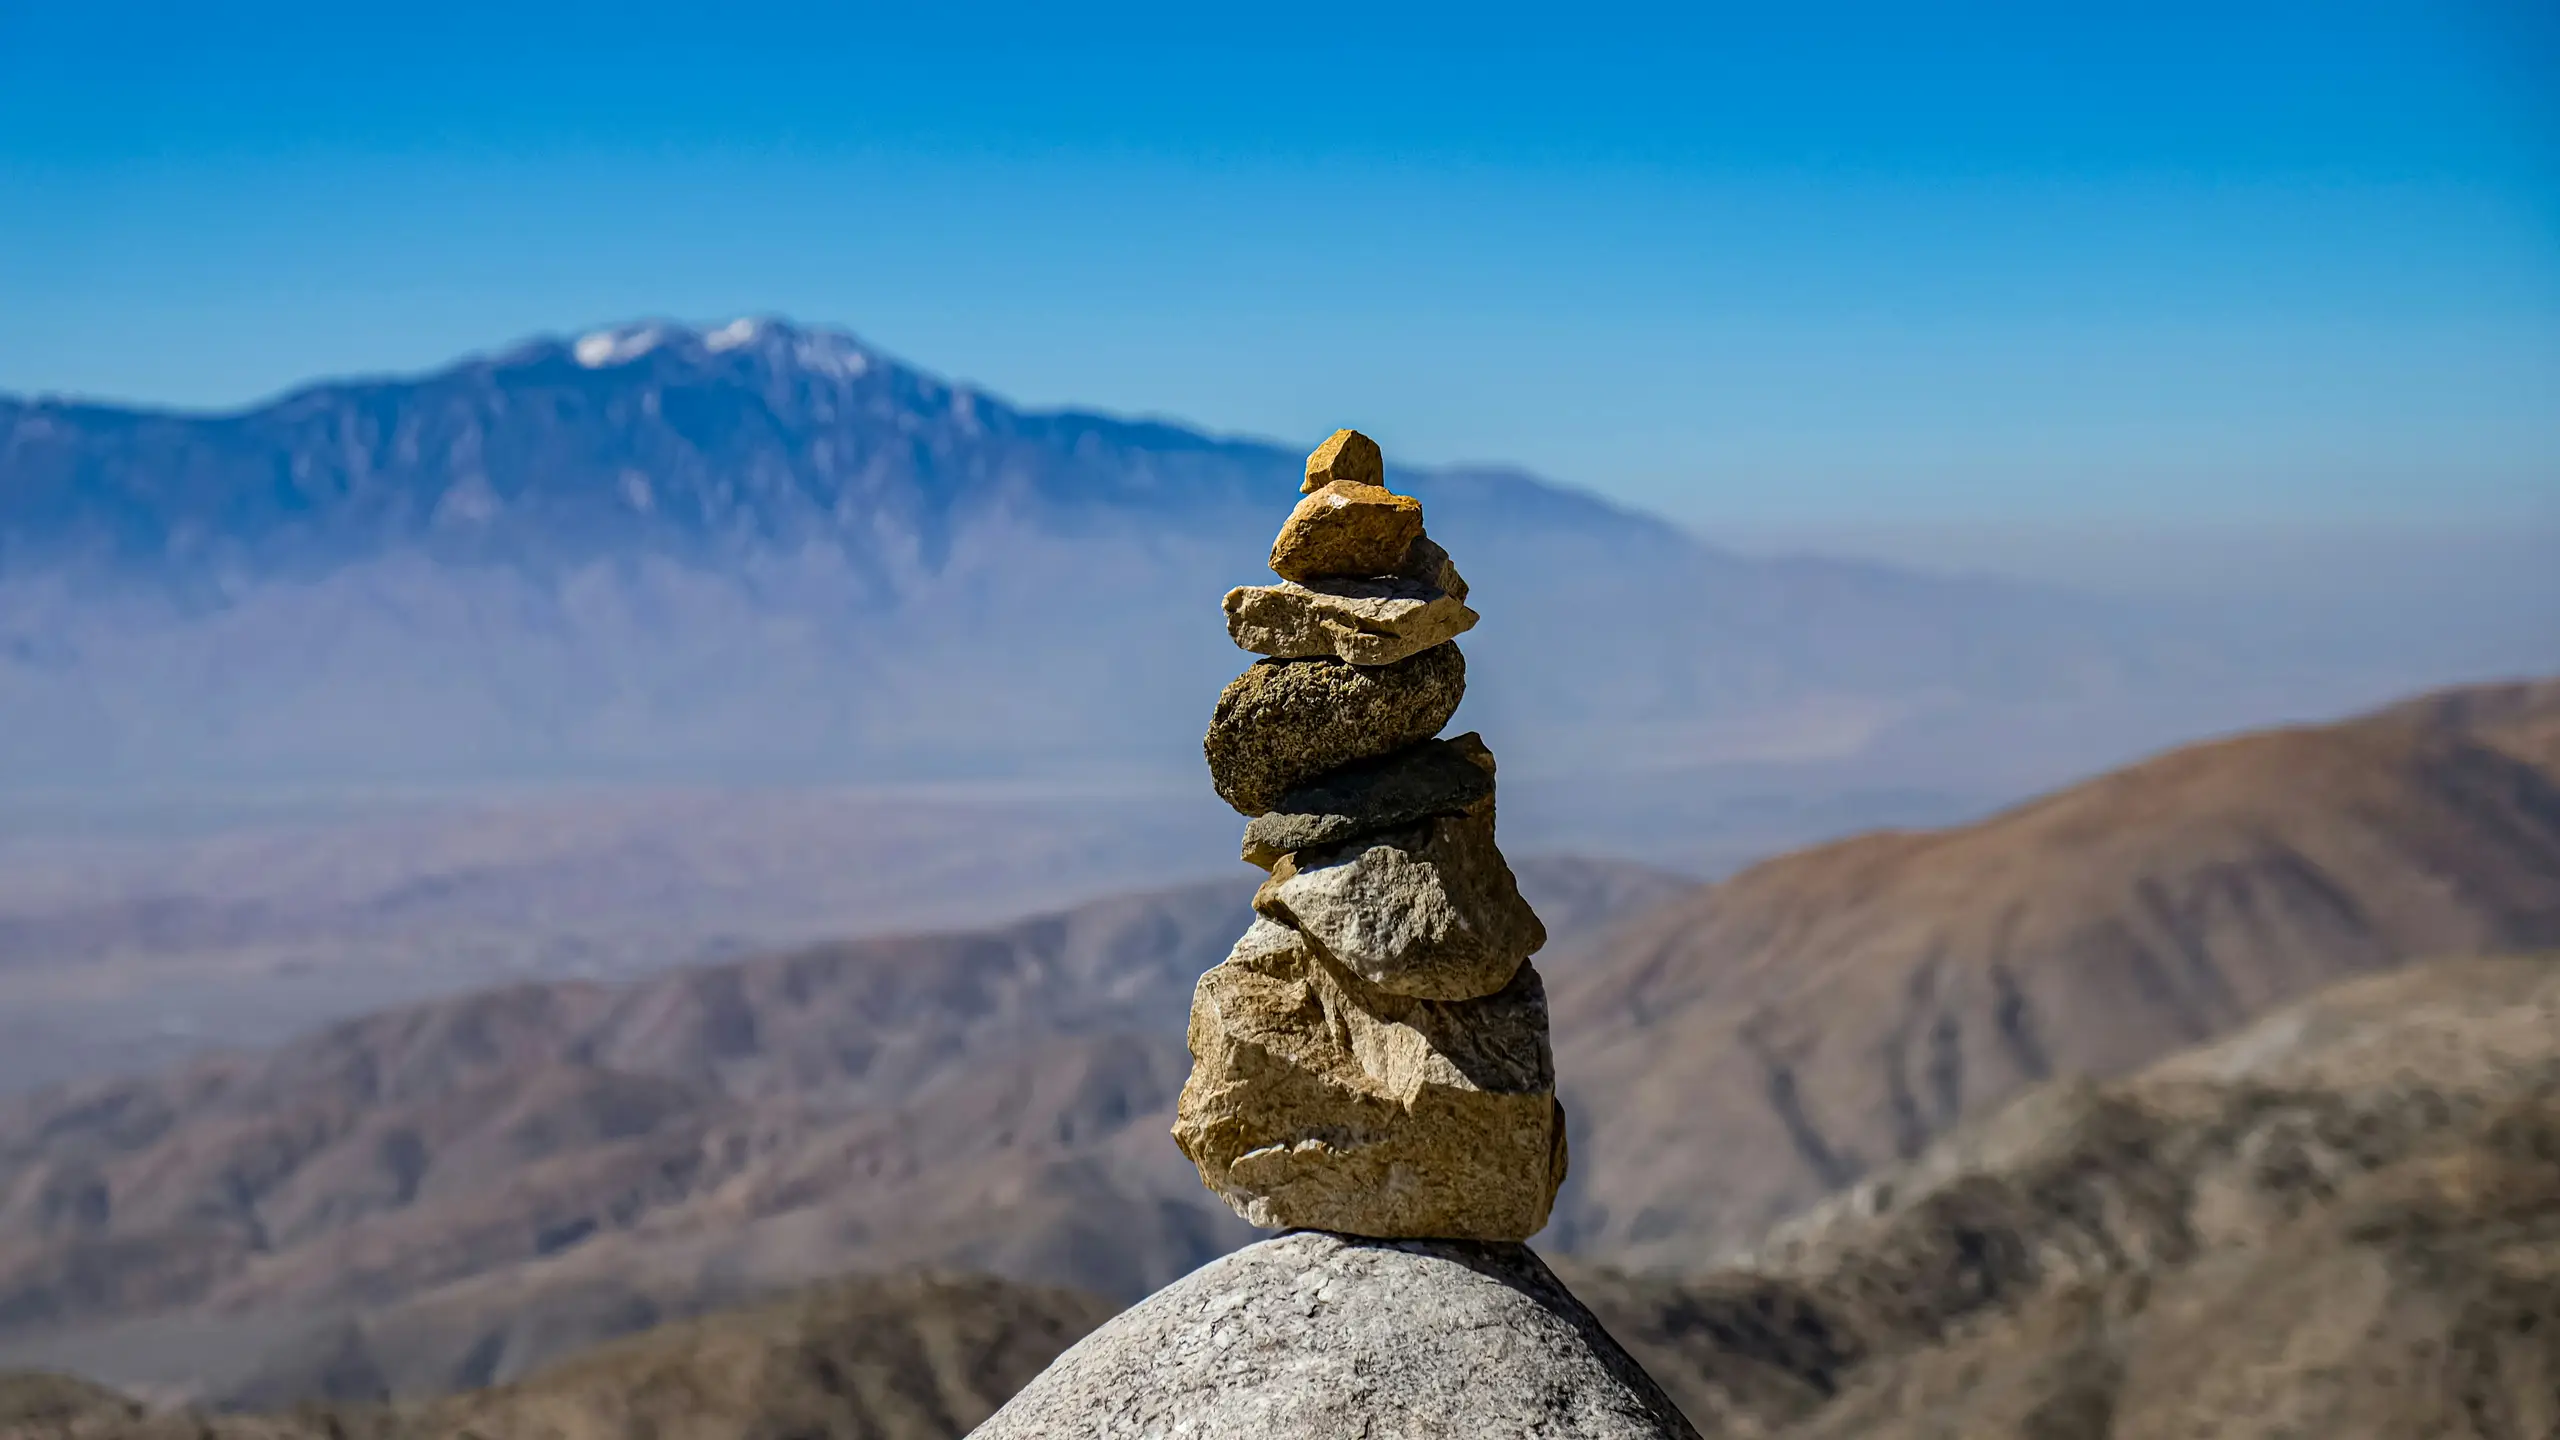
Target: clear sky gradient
{"points": [[1772, 268]]}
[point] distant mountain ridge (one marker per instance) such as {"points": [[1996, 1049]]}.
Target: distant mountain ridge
{"points": [[750, 436], [760, 550], [557, 450]]}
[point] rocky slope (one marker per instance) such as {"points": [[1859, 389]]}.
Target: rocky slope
{"points": [[456, 1191], [1768, 1040], [459, 1191], [913, 1357], [2343, 1220]]}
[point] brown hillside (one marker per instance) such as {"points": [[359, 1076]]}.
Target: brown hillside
{"points": [[2521, 718], [897, 1357], [447, 1195], [1742, 1052], [908, 1357], [2343, 1221]]}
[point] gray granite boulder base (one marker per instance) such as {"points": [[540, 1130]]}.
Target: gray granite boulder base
{"points": [[1315, 1336]]}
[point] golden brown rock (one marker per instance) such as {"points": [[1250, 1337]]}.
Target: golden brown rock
{"points": [[1430, 910], [1283, 722], [1319, 1101], [1347, 531], [1347, 455]]}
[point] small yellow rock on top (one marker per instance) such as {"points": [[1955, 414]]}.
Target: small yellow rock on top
{"points": [[1349, 457]]}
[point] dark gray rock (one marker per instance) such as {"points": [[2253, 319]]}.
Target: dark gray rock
{"points": [[1436, 777], [1315, 1336], [1284, 722]]}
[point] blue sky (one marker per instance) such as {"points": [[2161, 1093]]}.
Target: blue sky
{"points": [[1828, 270]]}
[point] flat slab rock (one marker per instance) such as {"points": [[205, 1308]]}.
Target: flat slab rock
{"points": [[1314, 1336], [1367, 622]]}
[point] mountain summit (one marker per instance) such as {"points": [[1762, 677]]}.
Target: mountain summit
{"points": [[756, 550], [751, 435]]}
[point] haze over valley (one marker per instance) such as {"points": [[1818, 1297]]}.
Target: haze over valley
{"points": [[462, 1192], [664, 642]]}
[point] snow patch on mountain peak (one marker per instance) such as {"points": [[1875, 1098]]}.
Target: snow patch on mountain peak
{"points": [[620, 346], [744, 330]]}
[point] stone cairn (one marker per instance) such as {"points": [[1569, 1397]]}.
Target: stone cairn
{"points": [[1371, 1058], [1369, 1064]]}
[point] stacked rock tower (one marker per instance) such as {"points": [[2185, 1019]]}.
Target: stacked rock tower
{"points": [[1371, 1058], [1369, 1064]]}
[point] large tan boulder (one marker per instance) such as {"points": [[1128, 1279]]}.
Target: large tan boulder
{"points": [[1319, 1101], [1345, 530], [1430, 910], [1367, 622], [1284, 722]]}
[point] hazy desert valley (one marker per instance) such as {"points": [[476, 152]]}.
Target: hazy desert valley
{"points": [[1976, 1016]]}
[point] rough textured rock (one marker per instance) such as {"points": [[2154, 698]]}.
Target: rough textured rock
{"points": [[1430, 910], [1320, 1337], [1347, 530], [1367, 622], [1436, 777], [1318, 1101], [1347, 456], [1284, 722]]}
